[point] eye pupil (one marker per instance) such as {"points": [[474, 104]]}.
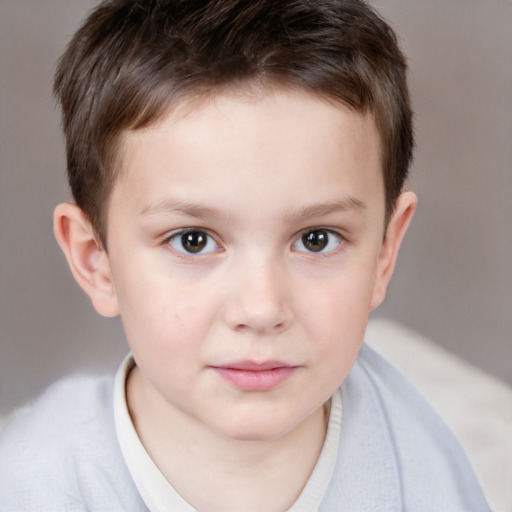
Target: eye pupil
{"points": [[316, 240], [194, 241]]}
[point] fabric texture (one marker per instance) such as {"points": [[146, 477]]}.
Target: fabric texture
{"points": [[395, 454], [476, 406]]}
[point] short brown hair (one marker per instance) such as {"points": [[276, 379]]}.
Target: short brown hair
{"points": [[131, 59]]}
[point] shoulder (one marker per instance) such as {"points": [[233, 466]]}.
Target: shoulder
{"points": [[60, 414], [421, 458], [62, 452]]}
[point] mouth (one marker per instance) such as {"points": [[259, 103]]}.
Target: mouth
{"points": [[254, 376]]}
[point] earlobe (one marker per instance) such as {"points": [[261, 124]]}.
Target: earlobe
{"points": [[88, 261], [395, 232]]}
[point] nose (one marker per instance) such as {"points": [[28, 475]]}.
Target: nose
{"points": [[259, 302]]}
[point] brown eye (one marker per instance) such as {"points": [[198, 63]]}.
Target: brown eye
{"points": [[316, 241], [194, 241]]}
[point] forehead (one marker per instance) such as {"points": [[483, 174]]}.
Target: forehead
{"points": [[256, 143]]}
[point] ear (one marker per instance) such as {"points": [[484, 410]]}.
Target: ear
{"points": [[88, 261], [395, 232]]}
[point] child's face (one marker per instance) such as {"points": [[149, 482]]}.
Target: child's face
{"points": [[247, 231]]}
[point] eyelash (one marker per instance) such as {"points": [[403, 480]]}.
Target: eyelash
{"points": [[212, 245]]}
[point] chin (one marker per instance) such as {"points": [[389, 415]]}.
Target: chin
{"points": [[252, 429], [255, 437], [255, 431]]}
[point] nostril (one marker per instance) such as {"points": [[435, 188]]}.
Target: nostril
{"points": [[254, 326]]}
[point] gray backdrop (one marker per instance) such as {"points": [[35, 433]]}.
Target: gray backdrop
{"points": [[454, 277]]}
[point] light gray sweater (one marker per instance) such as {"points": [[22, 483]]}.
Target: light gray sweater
{"points": [[395, 454]]}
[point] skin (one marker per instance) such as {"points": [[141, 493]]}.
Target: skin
{"points": [[253, 175]]}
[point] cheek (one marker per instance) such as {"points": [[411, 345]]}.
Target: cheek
{"points": [[165, 334], [168, 317], [336, 314], [341, 298], [154, 311]]}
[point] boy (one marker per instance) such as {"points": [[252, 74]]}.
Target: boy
{"points": [[238, 171]]}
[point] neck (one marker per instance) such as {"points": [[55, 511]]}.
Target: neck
{"points": [[233, 475]]}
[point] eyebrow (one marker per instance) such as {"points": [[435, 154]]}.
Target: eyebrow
{"points": [[319, 210], [194, 210]]}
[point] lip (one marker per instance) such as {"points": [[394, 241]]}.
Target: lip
{"points": [[255, 376]]}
